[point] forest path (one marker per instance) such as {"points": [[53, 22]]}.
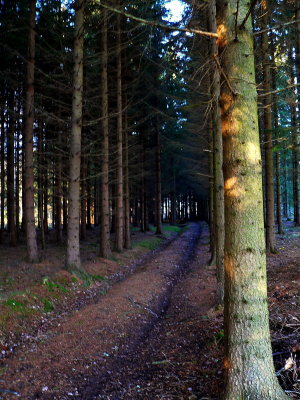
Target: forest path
{"points": [[91, 354]]}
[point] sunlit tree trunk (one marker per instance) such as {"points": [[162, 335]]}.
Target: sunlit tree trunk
{"points": [[104, 250], [73, 250], [248, 363]]}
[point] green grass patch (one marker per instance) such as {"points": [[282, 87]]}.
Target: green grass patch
{"points": [[48, 305], [52, 286], [172, 228], [88, 279], [150, 244], [15, 304]]}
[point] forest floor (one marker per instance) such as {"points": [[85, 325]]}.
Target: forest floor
{"points": [[142, 325]]}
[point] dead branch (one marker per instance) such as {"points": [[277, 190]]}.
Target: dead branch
{"points": [[158, 25]]}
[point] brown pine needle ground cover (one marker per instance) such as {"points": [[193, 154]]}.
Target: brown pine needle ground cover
{"points": [[151, 332]]}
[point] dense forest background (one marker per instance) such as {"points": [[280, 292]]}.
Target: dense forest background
{"points": [[148, 90]]}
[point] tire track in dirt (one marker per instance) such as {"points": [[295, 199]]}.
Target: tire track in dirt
{"points": [[172, 361], [90, 344]]}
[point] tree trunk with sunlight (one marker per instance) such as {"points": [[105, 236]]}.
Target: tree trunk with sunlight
{"points": [[249, 366]]}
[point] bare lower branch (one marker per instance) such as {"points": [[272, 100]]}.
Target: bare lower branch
{"points": [[279, 90], [273, 28], [215, 57], [252, 5], [158, 25]]}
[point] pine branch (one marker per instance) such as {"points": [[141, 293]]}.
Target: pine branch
{"points": [[279, 90], [158, 25], [273, 28], [252, 5]]}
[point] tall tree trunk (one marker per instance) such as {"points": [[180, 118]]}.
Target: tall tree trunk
{"points": [[40, 182], [32, 251], [127, 235], [173, 194], [11, 173], [83, 197], [104, 249], [268, 136], [285, 191], [296, 133], [158, 179], [17, 182], [59, 194], [277, 155], [88, 200], [2, 171], [217, 162], [249, 366], [45, 188], [119, 151], [295, 161], [73, 250]]}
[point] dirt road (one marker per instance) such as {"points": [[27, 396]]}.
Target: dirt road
{"points": [[120, 347]]}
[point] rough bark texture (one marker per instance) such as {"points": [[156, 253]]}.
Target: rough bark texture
{"points": [[104, 250], [73, 251], [217, 162], [268, 136], [249, 365], [32, 251], [119, 149]]}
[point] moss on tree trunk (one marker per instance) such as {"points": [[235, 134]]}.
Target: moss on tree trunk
{"points": [[249, 365]]}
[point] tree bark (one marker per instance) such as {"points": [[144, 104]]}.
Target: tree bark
{"points": [[217, 162], [32, 250], [83, 197], [59, 194], [158, 179], [277, 154], [73, 250], [248, 362], [119, 212], [296, 133], [127, 235], [268, 136], [104, 249]]}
